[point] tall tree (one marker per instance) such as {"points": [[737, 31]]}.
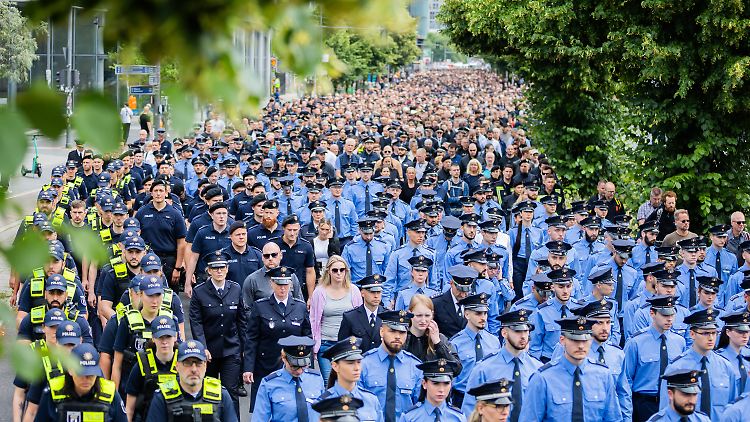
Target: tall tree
{"points": [[17, 44]]}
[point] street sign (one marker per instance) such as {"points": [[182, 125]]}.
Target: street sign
{"points": [[153, 79], [135, 70], [142, 90]]}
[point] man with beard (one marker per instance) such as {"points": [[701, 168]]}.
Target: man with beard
{"points": [[556, 229], [717, 256], [544, 339], [512, 361], [115, 277], [664, 215], [644, 251], [390, 372], [469, 224], [269, 227], [258, 284], [55, 297], [682, 391], [719, 379], [589, 247]]}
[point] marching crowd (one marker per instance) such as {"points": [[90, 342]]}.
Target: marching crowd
{"points": [[403, 253]]}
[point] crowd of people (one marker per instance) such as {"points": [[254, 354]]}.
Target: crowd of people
{"points": [[403, 253]]}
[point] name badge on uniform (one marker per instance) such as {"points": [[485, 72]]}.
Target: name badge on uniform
{"points": [[296, 324], [233, 307], [73, 417], [405, 391]]}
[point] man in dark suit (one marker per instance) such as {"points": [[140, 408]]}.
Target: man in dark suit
{"points": [[363, 321], [77, 154], [449, 323]]}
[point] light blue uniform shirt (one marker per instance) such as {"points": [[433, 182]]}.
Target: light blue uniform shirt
{"points": [[629, 310], [546, 332], [355, 255], [374, 377], [465, 344], [370, 410], [723, 376], [732, 287], [358, 195], [348, 215], [683, 281], [426, 412], [638, 255], [440, 244], [739, 411], [403, 297], [642, 356], [297, 202], [276, 399], [495, 366], [668, 414], [535, 235], [549, 396], [643, 320], [398, 271]]}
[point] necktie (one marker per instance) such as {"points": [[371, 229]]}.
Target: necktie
{"points": [[337, 219], [663, 356], [299, 397], [601, 355], [289, 205], [185, 171], [564, 311], [479, 353], [393, 207], [368, 260], [527, 236], [282, 308], [414, 252], [459, 312], [420, 291], [591, 248], [743, 373], [390, 392], [437, 414], [705, 387], [718, 263], [618, 293], [220, 291], [648, 254], [367, 198], [577, 414], [692, 288], [516, 391], [372, 320], [684, 419]]}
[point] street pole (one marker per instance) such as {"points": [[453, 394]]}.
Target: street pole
{"points": [[69, 77]]}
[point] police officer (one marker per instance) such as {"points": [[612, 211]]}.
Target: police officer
{"points": [[397, 273], [738, 411], [156, 363], [666, 284], [269, 228], [648, 353], [723, 261], [115, 277], [682, 391], [644, 251], [524, 238], [436, 384], [268, 320], [363, 321], [733, 342], [511, 361], [342, 212], [450, 314], [556, 391], [687, 288], [440, 244], [719, 380], [366, 255], [390, 372], [589, 247], [473, 342], [335, 409], [243, 258], [176, 400], [207, 240], [602, 286], [708, 290], [218, 320], [494, 400], [547, 333], [82, 392], [420, 270], [166, 232], [286, 394], [346, 368], [541, 291]]}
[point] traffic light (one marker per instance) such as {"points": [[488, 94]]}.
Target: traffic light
{"points": [[58, 80], [76, 79]]}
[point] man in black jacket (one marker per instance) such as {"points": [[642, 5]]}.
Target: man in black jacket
{"points": [[363, 321], [462, 280]]}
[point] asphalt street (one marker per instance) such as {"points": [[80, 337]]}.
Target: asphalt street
{"points": [[23, 191]]}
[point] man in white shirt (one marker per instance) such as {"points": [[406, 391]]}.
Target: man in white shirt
{"points": [[126, 116]]}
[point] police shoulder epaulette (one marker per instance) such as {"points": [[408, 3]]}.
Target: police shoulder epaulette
{"points": [[263, 299], [490, 355], [233, 283], [681, 355], [415, 407], [411, 355], [642, 330], [303, 240], [273, 375], [595, 362], [742, 396], [616, 346], [363, 389], [325, 395], [645, 305], [576, 301], [456, 335], [313, 371], [455, 409], [544, 305], [547, 365], [722, 356], [369, 352], [299, 300], [736, 296], [200, 285]]}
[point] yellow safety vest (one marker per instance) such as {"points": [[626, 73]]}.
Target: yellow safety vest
{"points": [[179, 409], [72, 408]]}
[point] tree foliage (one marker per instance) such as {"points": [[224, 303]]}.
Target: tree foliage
{"points": [[662, 85], [17, 44]]}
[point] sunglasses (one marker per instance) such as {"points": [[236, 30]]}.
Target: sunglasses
{"points": [[741, 223], [338, 270], [270, 255], [684, 221]]}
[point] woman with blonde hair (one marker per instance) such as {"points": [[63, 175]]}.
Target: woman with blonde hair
{"points": [[331, 298], [493, 401], [473, 174], [424, 339]]}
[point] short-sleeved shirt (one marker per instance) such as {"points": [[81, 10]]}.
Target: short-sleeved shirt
{"points": [[208, 240], [161, 228], [298, 257]]}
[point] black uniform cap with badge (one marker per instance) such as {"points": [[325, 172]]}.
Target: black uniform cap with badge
{"points": [[542, 282], [474, 255], [420, 263], [603, 276], [668, 253], [366, 225], [218, 259], [578, 328], [663, 304], [281, 275], [666, 277], [685, 380], [709, 284], [496, 391], [592, 222], [558, 247], [562, 275], [396, 320], [463, 277], [595, 309], [720, 230], [694, 244], [524, 206], [373, 283], [493, 258], [345, 349], [338, 409], [649, 226], [416, 225], [703, 319], [623, 247], [650, 268], [518, 320], [555, 221], [477, 303], [489, 226], [439, 370], [298, 350]]}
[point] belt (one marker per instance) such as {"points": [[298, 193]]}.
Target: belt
{"points": [[654, 398]]}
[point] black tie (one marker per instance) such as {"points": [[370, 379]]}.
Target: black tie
{"points": [[299, 397], [437, 414], [185, 172], [289, 205], [459, 312], [337, 219], [692, 288], [648, 254], [591, 248], [420, 291], [368, 260], [601, 355], [220, 292], [414, 252], [705, 387], [743, 372], [618, 293], [564, 311], [684, 419], [516, 392], [393, 207], [663, 355], [282, 308], [390, 392], [718, 263], [367, 198], [479, 353], [527, 250], [372, 320], [577, 415]]}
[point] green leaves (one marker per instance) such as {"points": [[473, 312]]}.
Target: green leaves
{"points": [[14, 143], [29, 252], [180, 110], [298, 40], [88, 244], [96, 122], [44, 109]]}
